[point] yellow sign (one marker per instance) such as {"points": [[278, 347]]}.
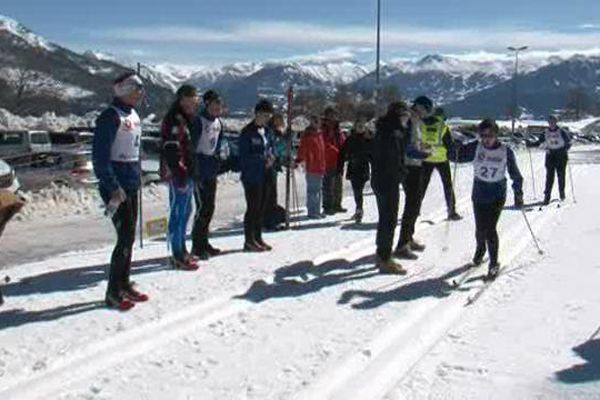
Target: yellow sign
{"points": [[157, 227]]}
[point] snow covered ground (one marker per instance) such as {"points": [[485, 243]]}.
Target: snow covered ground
{"points": [[314, 319]]}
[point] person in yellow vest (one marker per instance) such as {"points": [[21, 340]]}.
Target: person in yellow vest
{"points": [[435, 135]]}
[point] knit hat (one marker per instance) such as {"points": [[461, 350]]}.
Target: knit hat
{"points": [[125, 84], [186, 91], [263, 106], [424, 101]]}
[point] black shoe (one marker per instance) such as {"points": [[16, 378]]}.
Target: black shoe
{"points": [[546, 201], [416, 246], [358, 216], [563, 197], [454, 216], [329, 212], [250, 247], [405, 253], [493, 271], [341, 210], [265, 246], [212, 251]]}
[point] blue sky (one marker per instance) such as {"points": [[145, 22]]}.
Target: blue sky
{"points": [[218, 32]]}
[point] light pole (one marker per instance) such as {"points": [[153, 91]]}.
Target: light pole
{"points": [[515, 50], [378, 59]]}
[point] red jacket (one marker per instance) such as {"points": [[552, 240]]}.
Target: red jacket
{"points": [[334, 139], [312, 152], [176, 163]]}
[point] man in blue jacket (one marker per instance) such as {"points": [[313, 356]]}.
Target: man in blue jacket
{"points": [[207, 136], [557, 143], [116, 156], [256, 157]]}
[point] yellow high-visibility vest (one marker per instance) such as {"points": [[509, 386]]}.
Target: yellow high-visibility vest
{"points": [[433, 135]]}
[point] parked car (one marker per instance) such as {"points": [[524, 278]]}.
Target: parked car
{"points": [[25, 146], [8, 177]]}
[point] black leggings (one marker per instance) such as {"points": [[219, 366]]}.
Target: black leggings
{"points": [[205, 193], [412, 205], [444, 170], [358, 186], [256, 196], [556, 164], [388, 198], [486, 233], [124, 220]]}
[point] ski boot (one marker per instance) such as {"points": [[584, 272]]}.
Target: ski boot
{"points": [[390, 267], [493, 271], [416, 246], [358, 216], [405, 253], [118, 302]]}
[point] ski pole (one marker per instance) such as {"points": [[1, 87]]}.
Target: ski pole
{"points": [[532, 173], [595, 334], [571, 181], [540, 251]]}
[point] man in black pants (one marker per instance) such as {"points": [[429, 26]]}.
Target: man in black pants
{"points": [[557, 144], [436, 135], [206, 136], [413, 185], [116, 155], [388, 172]]}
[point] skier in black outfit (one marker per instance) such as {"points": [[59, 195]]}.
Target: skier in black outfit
{"points": [[116, 155], [557, 143], [356, 151], [256, 157], [389, 171], [491, 161], [413, 184]]}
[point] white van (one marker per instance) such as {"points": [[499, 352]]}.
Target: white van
{"points": [[17, 144]]}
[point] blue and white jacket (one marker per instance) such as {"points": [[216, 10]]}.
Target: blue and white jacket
{"points": [[254, 149], [116, 149]]}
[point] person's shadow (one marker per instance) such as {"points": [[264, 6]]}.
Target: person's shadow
{"points": [[586, 372], [432, 287], [304, 278], [17, 317], [68, 280]]}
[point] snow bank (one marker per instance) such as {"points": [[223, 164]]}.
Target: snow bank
{"points": [[49, 121]]}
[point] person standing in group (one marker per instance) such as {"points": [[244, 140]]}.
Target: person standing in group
{"points": [[116, 156], [333, 179], [177, 168], [436, 135], [356, 151], [557, 143], [206, 137], [492, 160], [389, 171], [312, 154], [275, 214], [256, 157], [416, 152]]}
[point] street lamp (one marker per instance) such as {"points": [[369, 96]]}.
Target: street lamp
{"points": [[378, 60], [515, 50]]}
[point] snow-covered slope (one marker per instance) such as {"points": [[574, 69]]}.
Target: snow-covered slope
{"points": [[21, 32]]}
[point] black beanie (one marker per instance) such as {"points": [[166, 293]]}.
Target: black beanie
{"points": [[209, 96], [186, 91], [264, 106], [425, 102]]}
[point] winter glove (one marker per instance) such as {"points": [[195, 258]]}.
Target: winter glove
{"points": [[519, 201]]}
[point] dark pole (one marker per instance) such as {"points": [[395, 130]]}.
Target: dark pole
{"points": [[141, 208], [515, 105], [378, 61]]}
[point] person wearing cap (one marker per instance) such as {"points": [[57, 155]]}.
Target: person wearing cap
{"points": [[557, 143], [177, 168], [436, 135], [492, 161], [388, 172], [333, 179], [256, 157], [207, 138], [416, 152], [116, 156]]}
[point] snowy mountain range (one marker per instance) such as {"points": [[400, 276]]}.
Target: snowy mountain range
{"points": [[470, 86]]}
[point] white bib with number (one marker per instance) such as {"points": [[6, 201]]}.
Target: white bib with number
{"points": [[490, 165], [554, 139], [126, 146], [207, 145]]}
